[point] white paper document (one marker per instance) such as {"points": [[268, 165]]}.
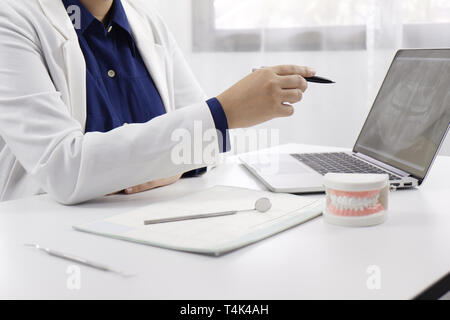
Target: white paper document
{"points": [[215, 235]]}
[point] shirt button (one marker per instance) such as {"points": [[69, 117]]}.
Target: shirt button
{"points": [[110, 29], [111, 73]]}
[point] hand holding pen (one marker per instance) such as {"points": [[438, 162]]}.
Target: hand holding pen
{"points": [[265, 94], [315, 79]]}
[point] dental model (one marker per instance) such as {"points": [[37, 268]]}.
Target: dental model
{"points": [[355, 203], [356, 199]]}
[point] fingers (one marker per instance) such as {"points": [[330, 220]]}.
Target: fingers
{"points": [[293, 82], [113, 193], [291, 69], [152, 185], [141, 188], [288, 97], [291, 95], [285, 110]]}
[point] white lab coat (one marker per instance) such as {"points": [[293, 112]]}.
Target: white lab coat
{"points": [[43, 146]]}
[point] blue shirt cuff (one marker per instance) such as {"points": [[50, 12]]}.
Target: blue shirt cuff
{"points": [[220, 120]]}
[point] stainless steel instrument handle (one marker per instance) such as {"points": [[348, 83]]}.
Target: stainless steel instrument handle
{"points": [[196, 216]]}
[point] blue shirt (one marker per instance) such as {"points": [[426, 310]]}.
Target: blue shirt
{"points": [[119, 88]]}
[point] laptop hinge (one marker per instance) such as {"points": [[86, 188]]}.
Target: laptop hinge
{"points": [[383, 165]]}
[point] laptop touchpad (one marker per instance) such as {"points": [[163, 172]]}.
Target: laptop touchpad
{"points": [[283, 164]]}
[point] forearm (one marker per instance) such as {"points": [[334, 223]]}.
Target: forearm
{"points": [[73, 167]]}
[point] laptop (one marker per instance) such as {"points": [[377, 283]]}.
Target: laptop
{"points": [[401, 136]]}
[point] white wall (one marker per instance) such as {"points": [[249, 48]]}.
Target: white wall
{"points": [[329, 114]]}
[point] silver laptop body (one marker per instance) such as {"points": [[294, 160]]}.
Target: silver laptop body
{"points": [[402, 135]]}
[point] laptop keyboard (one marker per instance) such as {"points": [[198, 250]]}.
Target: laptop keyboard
{"points": [[338, 162]]}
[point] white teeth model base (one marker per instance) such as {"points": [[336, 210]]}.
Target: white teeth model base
{"points": [[355, 221]]}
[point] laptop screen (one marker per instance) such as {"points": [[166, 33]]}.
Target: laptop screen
{"points": [[411, 113]]}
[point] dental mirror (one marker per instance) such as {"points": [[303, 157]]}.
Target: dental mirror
{"points": [[261, 205]]}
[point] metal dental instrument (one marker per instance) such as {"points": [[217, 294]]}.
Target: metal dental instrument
{"points": [[261, 205], [76, 259]]}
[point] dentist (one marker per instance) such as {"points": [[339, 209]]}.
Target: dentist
{"points": [[92, 90]]}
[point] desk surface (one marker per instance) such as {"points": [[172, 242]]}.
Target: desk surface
{"points": [[312, 260]]}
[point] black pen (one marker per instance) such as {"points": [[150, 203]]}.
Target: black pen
{"points": [[315, 79]]}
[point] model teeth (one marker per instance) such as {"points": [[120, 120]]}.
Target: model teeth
{"points": [[354, 203]]}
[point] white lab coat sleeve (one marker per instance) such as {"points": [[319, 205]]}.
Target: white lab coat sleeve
{"points": [[72, 166]]}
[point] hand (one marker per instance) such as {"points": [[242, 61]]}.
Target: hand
{"points": [[263, 94], [152, 185]]}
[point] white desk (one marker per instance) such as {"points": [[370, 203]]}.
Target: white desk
{"points": [[313, 260]]}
